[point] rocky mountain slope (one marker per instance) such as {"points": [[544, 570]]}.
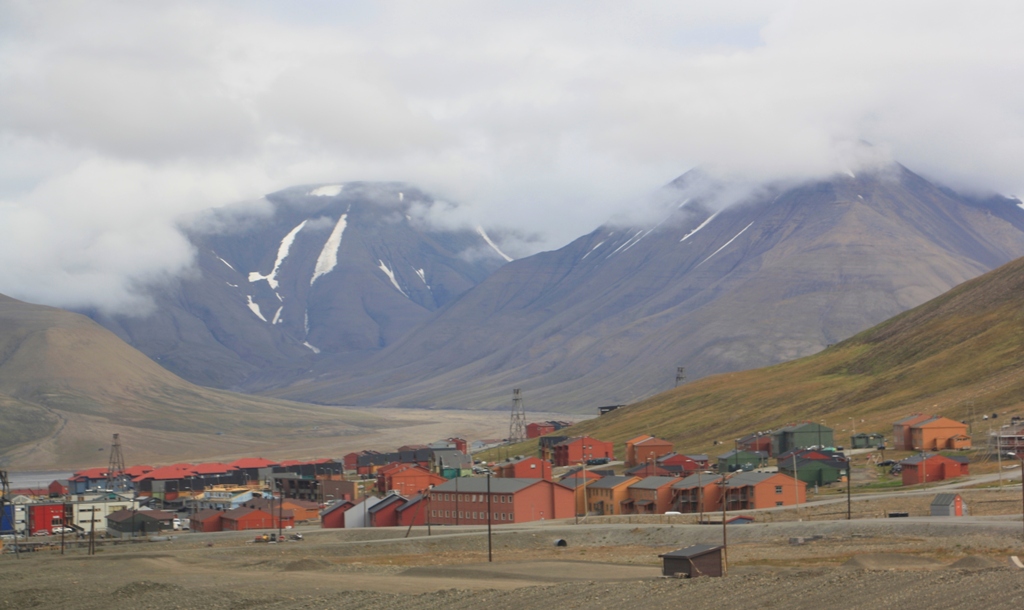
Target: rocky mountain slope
{"points": [[325, 273], [608, 318]]}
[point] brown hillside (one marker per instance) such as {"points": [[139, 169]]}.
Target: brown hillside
{"points": [[67, 383], [959, 355]]}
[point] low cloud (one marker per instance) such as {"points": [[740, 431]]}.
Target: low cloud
{"points": [[121, 121]]}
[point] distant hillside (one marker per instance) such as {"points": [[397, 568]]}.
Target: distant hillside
{"points": [[67, 384], [960, 355], [609, 317]]}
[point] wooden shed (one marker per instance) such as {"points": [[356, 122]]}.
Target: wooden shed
{"points": [[693, 561], [948, 505]]}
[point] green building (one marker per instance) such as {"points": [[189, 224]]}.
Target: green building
{"points": [[815, 472], [742, 460], [866, 441], [801, 436]]}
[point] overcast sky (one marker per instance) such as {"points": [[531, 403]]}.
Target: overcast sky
{"points": [[118, 118]]}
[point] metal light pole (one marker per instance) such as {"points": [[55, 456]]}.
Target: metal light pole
{"points": [[849, 478]]}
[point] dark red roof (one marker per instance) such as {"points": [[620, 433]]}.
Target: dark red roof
{"points": [[90, 473]]}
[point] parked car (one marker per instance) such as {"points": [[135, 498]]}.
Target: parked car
{"points": [[884, 463], [597, 461], [41, 533], [58, 529]]}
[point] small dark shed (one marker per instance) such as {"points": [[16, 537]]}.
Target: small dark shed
{"points": [[693, 561], [949, 505]]}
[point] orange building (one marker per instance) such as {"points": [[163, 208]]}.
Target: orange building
{"points": [[698, 493], [524, 468], [901, 431], [578, 486], [580, 449], [406, 479], [606, 496], [937, 433], [646, 448], [754, 490], [650, 496], [466, 501]]}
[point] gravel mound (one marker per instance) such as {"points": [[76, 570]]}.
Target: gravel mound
{"points": [[973, 562], [891, 561], [306, 564]]}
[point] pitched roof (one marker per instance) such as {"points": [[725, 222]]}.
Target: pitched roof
{"points": [[479, 485], [654, 482], [253, 463], [911, 419], [388, 501], [944, 499], [410, 502], [342, 504], [207, 513], [693, 551], [574, 483], [695, 480], [748, 478], [639, 439], [611, 482]]}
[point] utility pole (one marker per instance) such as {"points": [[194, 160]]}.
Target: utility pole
{"points": [[680, 375], [849, 478], [796, 488], [490, 558], [517, 424], [725, 544]]}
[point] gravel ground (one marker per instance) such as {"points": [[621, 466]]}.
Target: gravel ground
{"points": [[860, 564]]}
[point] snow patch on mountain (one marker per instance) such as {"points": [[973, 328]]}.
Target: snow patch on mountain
{"points": [[277, 316], [699, 227], [282, 253], [391, 276], [225, 262], [422, 275], [315, 349], [254, 307], [330, 190], [328, 258], [726, 244], [592, 249], [490, 243]]}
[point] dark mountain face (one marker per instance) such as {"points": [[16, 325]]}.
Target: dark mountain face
{"points": [[332, 273], [608, 318]]}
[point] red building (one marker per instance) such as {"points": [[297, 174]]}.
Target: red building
{"points": [[754, 490], [43, 517], [414, 511], [928, 468], [385, 512], [651, 496], [334, 515], [646, 448], [208, 520], [756, 442], [682, 465], [698, 493], [524, 468], [245, 518], [460, 443], [465, 501], [57, 489], [580, 449], [901, 431], [539, 428]]}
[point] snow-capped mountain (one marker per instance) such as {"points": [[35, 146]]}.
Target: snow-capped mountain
{"points": [[609, 317], [323, 272]]}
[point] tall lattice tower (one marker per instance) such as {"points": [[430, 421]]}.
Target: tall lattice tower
{"points": [[680, 375], [116, 478], [517, 426]]}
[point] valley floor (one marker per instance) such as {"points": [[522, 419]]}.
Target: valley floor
{"points": [[869, 563]]}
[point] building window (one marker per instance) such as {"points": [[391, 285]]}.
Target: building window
{"points": [[474, 514], [778, 504], [460, 514], [433, 513], [778, 489]]}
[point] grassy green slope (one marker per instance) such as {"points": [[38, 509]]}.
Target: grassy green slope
{"points": [[959, 355]]}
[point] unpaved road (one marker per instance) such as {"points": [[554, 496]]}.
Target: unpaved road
{"points": [[880, 563]]}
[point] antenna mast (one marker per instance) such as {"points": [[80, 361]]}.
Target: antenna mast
{"points": [[517, 426], [115, 469]]}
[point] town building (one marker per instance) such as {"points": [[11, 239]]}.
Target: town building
{"points": [[646, 448], [864, 440], [333, 515], [406, 479], [245, 518], [606, 496], [803, 435], [757, 441], [359, 514], [755, 490], [932, 467], [680, 465], [538, 429], [901, 431], [936, 433], [650, 496], [385, 512], [698, 493], [413, 511], [521, 467], [465, 501], [741, 460], [648, 469], [129, 523], [578, 486], [949, 505], [579, 449], [693, 561], [207, 520]]}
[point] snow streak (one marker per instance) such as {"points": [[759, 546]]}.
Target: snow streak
{"points": [[723, 247], [490, 243], [328, 258], [315, 350], [282, 253], [599, 244], [225, 262], [391, 276], [254, 307], [702, 225]]}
